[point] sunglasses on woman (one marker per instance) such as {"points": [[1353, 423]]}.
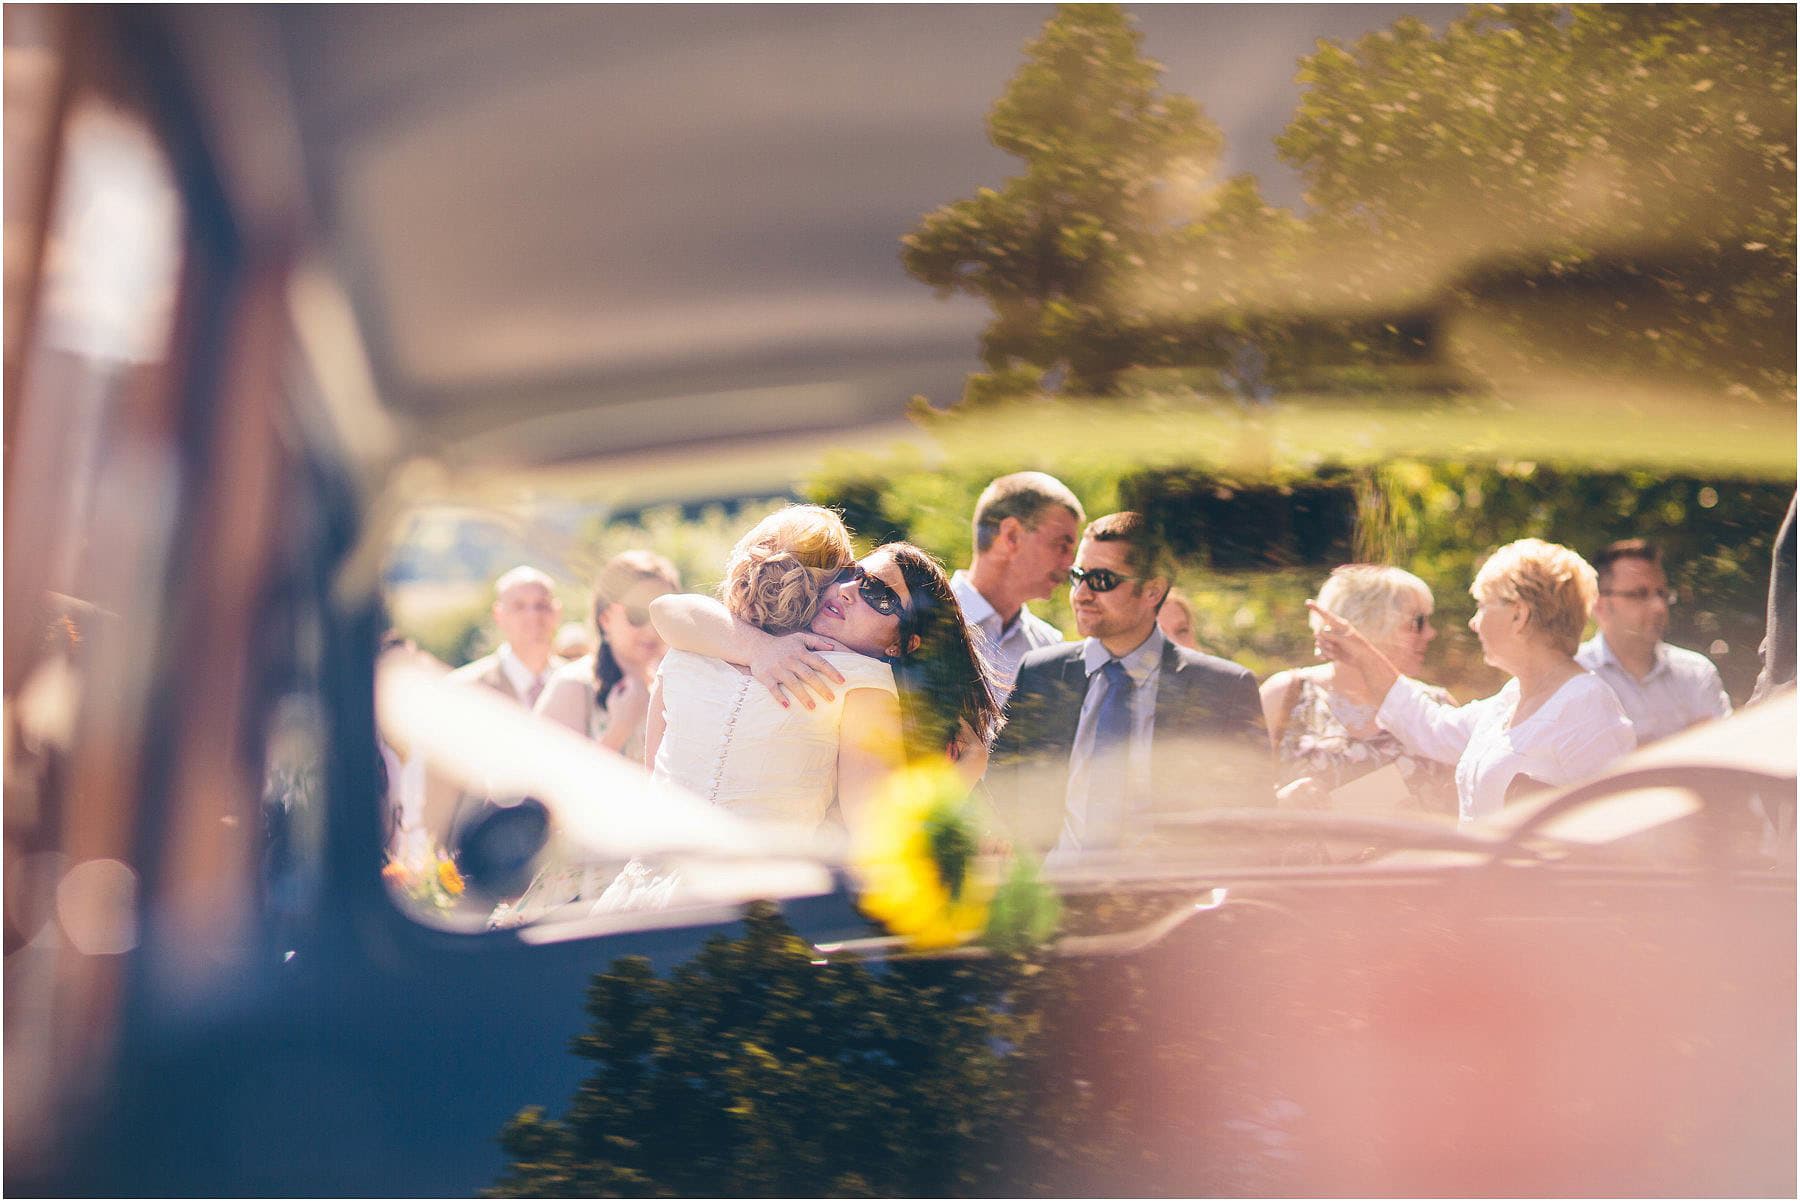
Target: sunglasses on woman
{"points": [[876, 593], [1098, 580]]}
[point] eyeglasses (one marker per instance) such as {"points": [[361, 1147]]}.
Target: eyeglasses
{"points": [[875, 592], [1668, 595], [1099, 580]]}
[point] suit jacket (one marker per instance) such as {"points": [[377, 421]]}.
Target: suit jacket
{"points": [[487, 671], [1209, 747]]}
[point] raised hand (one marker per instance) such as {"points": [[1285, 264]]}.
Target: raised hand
{"points": [[1358, 660], [789, 667]]}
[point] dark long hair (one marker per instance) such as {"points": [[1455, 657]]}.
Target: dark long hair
{"points": [[627, 576], [943, 682]]}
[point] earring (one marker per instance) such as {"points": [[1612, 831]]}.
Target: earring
{"points": [[893, 652]]}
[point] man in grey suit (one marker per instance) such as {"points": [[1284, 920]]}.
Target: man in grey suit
{"points": [[1106, 736]]}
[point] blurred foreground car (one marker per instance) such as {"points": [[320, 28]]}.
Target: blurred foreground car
{"points": [[236, 350]]}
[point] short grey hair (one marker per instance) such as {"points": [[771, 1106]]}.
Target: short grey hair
{"points": [[1369, 596], [1022, 495], [523, 574]]}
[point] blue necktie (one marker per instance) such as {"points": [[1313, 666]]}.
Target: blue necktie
{"points": [[1110, 767]]}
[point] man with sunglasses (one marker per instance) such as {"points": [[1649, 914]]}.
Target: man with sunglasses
{"points": [[1107, 737], [1024, 542], [1662, 689]]}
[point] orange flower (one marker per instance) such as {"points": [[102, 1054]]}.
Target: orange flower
{"points": [[448, 877]]}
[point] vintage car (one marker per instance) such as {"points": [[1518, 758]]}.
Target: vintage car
{"points": [[279, 277]]}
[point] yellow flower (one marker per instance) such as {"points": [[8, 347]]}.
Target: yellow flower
{"points": [[448, 877], [915, 852]]}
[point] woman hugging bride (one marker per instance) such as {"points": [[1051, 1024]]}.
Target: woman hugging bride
{"points": [[888, 631]]}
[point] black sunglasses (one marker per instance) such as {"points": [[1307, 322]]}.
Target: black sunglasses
{"points": [[1099, 580], [875, 592]]}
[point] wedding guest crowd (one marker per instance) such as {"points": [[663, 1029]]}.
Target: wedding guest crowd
{"points": [[815, 675]]}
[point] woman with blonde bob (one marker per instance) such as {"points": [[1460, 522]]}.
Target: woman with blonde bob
{"points": [[1553, 723], [717, 732], [1321, 719]]}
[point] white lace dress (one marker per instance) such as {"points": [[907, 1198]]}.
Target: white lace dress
{"points": [[728, 740], [725, 738]]}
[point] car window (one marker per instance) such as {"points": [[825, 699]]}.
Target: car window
{"points": [[1430, 320]]}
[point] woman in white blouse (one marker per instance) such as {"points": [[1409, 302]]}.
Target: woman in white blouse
{"points": [[1553, 723]]}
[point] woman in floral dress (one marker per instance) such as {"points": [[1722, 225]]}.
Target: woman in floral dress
{"points": [[1321, 723]]}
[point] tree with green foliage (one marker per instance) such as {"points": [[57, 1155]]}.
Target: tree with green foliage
{"points": [[1583, 189], [1118, 176], [756, 1071]]}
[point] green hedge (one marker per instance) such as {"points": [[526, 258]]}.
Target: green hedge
{"points": [[1255, 544]]}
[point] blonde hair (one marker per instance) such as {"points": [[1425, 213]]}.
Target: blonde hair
{"points": [[778, 572], [1556, 587], [1369, 596]]}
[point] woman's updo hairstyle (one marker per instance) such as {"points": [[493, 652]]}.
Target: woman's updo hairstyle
{"points": [[778, 573]]}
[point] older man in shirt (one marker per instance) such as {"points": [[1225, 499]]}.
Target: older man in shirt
{"points": [[1025, 526], [1107, 735], [526, 613], [1662, 689]]}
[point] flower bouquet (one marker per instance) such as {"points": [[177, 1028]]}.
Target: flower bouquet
{"points": [[430, 879], [923, 877]]}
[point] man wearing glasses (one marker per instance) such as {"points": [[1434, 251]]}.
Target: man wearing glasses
{"points": [[1663, 689], [1107, 737]]}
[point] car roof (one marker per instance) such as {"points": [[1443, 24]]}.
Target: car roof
{"points": [[680, 220]]}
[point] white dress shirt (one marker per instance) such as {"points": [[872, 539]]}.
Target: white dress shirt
{"points": [[1002, 646], [1577, 732], [526, 684], [1144, 667], [1683, 688]]}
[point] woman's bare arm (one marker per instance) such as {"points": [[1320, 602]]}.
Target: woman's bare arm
{"points": [[1345, 645], [1274, 694], [565, 702], [653, 724], [868, 750], [787, 665]]}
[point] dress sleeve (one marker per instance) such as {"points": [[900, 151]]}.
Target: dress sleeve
{"points": [[861, 671], [565, 702], [1426, 726], [1592, 734]]}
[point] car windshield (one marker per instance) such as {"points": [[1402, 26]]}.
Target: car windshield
{"points": [[993, 600], [1270, 438]]}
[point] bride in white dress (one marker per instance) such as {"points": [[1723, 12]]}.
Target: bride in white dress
{"points": [[799, 608], [714, 731]]}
